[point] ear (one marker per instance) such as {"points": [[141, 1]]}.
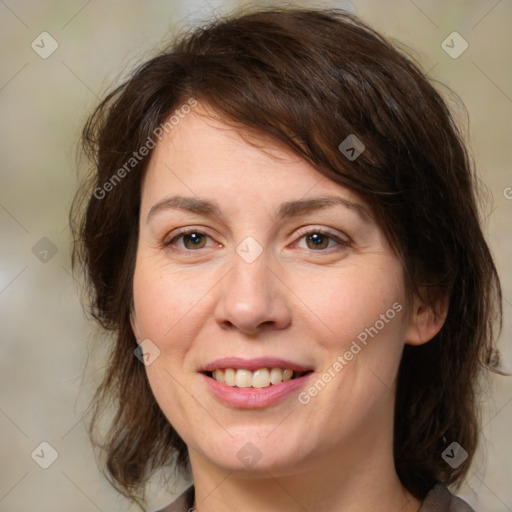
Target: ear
{"points": [[135, 325], [427, 320]]}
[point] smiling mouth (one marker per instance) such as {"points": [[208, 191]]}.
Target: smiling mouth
{"points": [[258, 379]]}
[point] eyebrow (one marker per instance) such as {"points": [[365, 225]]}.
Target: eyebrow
{"points": [[287, 209]]}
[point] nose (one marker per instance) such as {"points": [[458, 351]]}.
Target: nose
{"points": [[252, 298]]}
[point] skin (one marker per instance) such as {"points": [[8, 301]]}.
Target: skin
{"points": [[295, 302]]}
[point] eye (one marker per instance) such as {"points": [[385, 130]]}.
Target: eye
{"points": [[192, 239], [318, 240]]}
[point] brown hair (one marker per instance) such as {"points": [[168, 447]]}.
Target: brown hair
{"points": [[308, 79]]}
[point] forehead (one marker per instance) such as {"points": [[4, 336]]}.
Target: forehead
{"points": [[203, 142], [205, 156]]}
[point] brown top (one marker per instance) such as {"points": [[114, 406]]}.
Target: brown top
{"points": [[439, 499]]}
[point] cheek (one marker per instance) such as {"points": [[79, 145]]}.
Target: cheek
{"points": [[347, 303], [161, 300], [164, 306], [361, 326], [360, 313]]}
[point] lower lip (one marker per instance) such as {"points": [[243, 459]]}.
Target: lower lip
{"points": [[253, 398]]}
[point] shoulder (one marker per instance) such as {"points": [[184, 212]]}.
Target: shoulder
{"points": [[440, 499], [184, 502]]}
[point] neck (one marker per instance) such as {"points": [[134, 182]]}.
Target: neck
{"points": [[345, 480]]}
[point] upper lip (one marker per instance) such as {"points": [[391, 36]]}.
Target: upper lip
{"points": [[254, 364]]}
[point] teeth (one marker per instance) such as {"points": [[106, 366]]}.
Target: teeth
{"points": [[261, 378], [287, 375], [243, 379], [276, 376], [218, 375], [229, 376]]}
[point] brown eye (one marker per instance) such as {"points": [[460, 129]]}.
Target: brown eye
{"points": [[191, 240], [317, 240], [194, 240]]}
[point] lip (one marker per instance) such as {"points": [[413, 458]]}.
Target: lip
{"points": [[254, 364], [253, 398]]}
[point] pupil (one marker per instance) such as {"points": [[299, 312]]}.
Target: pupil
{"points": [[317, 239], [194, 239]]}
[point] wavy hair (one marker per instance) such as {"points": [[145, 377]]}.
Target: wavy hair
{"points": [[308, 79]]}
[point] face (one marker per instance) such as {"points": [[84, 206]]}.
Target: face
{"points": [[274, 300]]}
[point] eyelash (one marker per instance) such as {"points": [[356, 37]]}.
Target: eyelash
{"points": [[300, 235]]}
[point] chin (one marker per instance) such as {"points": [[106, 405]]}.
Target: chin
{"points": [[255, 455]]}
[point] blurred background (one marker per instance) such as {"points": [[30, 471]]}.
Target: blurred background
{"points": [[57, 59]]}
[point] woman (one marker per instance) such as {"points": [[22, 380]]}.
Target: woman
{"points": [[281, 226]]}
